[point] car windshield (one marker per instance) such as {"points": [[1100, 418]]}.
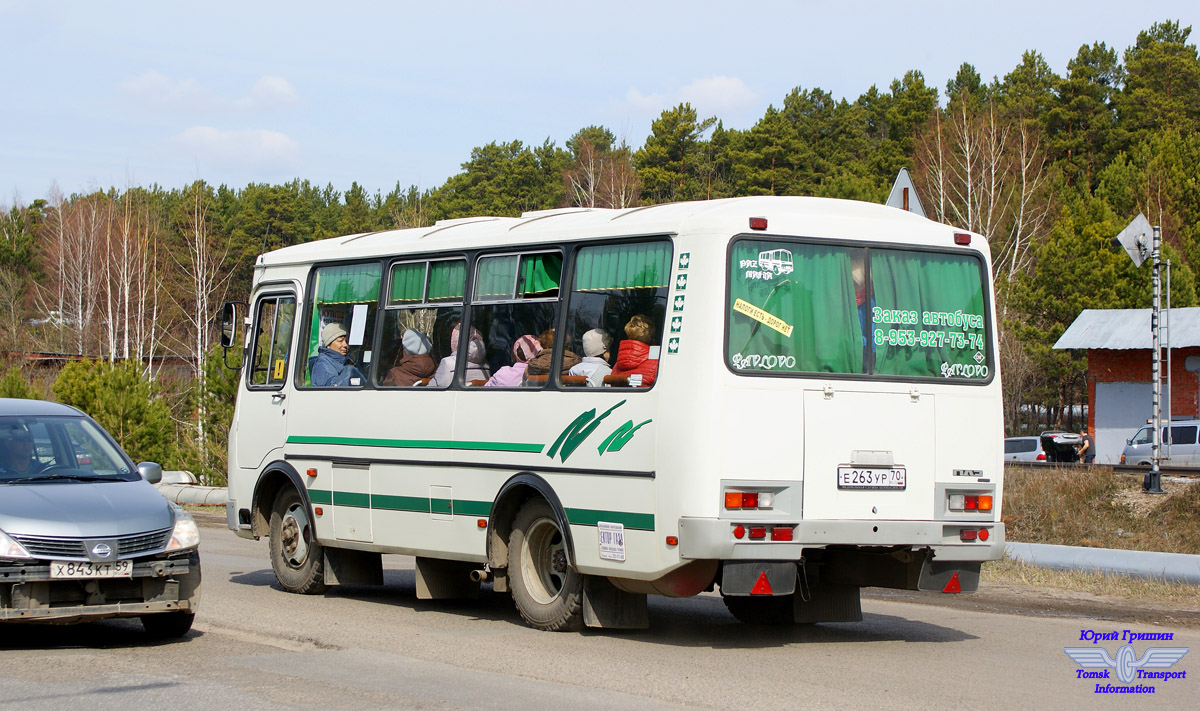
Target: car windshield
{"points": [[1143, 436], [44, 449]]}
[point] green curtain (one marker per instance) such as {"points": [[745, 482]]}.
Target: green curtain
{"points": [[496, 277], [408, 283], [447, 280], [939, 299], [816, 299], [623, 266], [540, 273], [351, 284]]}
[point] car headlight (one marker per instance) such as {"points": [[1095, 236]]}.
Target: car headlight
{"points": [[10, 548], [185, 534]]}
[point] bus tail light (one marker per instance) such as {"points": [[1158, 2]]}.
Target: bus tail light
{"points": [[749, 499], [758, 223], [971, 502], [983, 534]]}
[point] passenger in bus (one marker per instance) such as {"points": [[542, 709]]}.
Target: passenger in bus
{"points": [[476, 353], [594, 366], [414, 362], [540, 364], [511, 376], [633, 355], [331, 367]]}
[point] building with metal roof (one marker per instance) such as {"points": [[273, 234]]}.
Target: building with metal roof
{"points": [[1118, 344]]}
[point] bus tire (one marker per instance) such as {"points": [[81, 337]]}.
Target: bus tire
{"points": [[547, 591], [296, 557], [774, 610]]}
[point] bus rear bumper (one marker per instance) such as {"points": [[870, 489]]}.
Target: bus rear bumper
{"points": [[714, 539]]}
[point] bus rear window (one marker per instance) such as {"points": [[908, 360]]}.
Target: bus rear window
{"points": [[802, 307]]}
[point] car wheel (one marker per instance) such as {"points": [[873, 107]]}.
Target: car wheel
{"points": [[547, 591], [296, 557], [168, 625]]}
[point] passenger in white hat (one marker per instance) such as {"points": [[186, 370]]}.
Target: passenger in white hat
{"points": [[414, 363], [331, 367], [595, 358]]}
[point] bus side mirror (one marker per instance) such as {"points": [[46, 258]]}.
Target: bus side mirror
{"points": [[229, 323], [231, 320]]}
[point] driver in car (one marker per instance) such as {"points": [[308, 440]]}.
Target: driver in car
{"points": [[17, 459]]}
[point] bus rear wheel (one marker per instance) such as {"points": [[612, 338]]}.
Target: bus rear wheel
{"points": [[296, 557], [547, 591], [773, 610]]}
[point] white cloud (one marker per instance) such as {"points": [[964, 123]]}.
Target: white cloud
{"points": [[158, 91], [713, 96], [268, 93], [258, 149]]}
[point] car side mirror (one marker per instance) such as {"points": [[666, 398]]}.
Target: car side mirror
{"points": [[150, 471]]}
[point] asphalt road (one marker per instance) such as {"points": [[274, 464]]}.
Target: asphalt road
{"points": [[256, 647]]}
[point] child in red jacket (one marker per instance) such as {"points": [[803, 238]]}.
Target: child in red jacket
{"points": [[633, 355]]}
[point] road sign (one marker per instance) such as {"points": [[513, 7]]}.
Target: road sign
{"points": [[1135, 239], [904, 194]]}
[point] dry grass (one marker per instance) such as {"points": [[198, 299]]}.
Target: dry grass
{"points": [[1099, 508], [1013, 572]]}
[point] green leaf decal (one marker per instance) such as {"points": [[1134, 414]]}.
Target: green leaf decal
{"points": [[577, 431]]}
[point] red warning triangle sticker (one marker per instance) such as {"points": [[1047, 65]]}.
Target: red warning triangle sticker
{"points": [[763, 586], [953, 586]]}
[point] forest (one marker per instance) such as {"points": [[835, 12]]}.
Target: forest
{"points": [[108, 299]]}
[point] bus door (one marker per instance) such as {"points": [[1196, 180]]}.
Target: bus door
{"points": [[262, 408]]}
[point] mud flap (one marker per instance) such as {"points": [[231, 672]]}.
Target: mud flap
{"points": [[606, 607], [445, 579], [350, 567], [758, 577], [949, 576]]}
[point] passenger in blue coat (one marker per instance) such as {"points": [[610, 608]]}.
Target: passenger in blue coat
{"points": [[330, 368]]}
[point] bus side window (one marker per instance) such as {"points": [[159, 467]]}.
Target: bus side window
{"points": [[346, 296], [515, 296], [616, 313], [423, 305], [272, 341]]}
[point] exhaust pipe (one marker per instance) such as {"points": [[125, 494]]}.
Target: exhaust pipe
{"points": [[481, 576]]}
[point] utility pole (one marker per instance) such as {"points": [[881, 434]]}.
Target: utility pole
{"points": [[1133, 240]]}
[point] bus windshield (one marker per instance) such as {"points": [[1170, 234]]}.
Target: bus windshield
{"points": [[805, 307]]}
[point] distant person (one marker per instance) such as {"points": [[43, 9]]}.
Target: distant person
{"points": [[540, 364], [511, 376], [594, 366], [633, 355], [476, 369], [1087, 448], [331, 367], [414, 362]]}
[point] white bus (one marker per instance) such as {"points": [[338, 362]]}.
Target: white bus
{"points": [[783, 438]]}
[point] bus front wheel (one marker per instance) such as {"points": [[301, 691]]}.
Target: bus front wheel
{"points": [[296, 557], [547, 591]]}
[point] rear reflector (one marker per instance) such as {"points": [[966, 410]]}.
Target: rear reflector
{"points": [[781, 533], [758, 532], [739, 531], [952, 586], [762, 586], [758, 223], [963, 238], [983, 534], [967, 534]]}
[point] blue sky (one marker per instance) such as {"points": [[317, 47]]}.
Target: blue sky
{"points": [[103, 94]]}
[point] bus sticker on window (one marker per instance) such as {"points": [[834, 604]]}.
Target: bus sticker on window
{"points": [[772, 322], [277, 374]]}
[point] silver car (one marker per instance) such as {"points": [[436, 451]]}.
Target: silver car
{"points": [[83, 534]]}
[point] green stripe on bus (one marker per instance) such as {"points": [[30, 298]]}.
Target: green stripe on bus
{"points": [[464, 507], [590, 517], [418, 443], [351, 498]]}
